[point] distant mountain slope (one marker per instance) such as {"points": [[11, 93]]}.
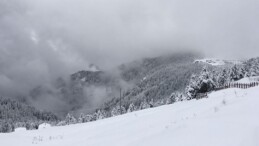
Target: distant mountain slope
{"points": [[155, 79], [164, 76], [150, 78], [141, 68], [217, 62]]}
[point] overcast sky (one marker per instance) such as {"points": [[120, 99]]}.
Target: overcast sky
{"points": [[43, 39]]}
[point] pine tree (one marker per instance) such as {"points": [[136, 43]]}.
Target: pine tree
{"points": [[223, 78], [144, 105], [173, 98], [192, 88], [82, 118], [200, 84], [118, 110], [6, 127], [242, 73], [206, 83], [70, 119], [89, 118], [234, 74], [100, 115], [214, 76], [180, 97], [131, 108], [251, 67]]}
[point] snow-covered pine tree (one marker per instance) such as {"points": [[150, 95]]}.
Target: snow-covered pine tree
{"points": [[180, 97], [254, 71], [82, 118], [251, 67], [206, 83], [214, 76], [70, 119], [200, 84], [234, 73], [192, 88], [131, 108], [242, 72], [118, 110], [100, 115], [115, 112], [122, 110], [223, 78], [89, 118], [175, 97], [6, 127], [144, 105]]}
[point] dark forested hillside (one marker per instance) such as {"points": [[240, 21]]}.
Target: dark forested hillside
{"points": [[155, 79], [15, 114]]}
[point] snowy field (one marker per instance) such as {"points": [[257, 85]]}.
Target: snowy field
{"points": [[217, 62], [248, 80], [211, 61], [227, 118]]}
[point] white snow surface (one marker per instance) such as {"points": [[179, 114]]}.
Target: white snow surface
{"points": [[227, 118], [248, 80], [20, 129], [211, 61], [44, 126]]}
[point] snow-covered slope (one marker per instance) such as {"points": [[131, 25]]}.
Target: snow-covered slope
{"points": [[248, 80], [227, 118], [210, 61], [216, 62]]}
